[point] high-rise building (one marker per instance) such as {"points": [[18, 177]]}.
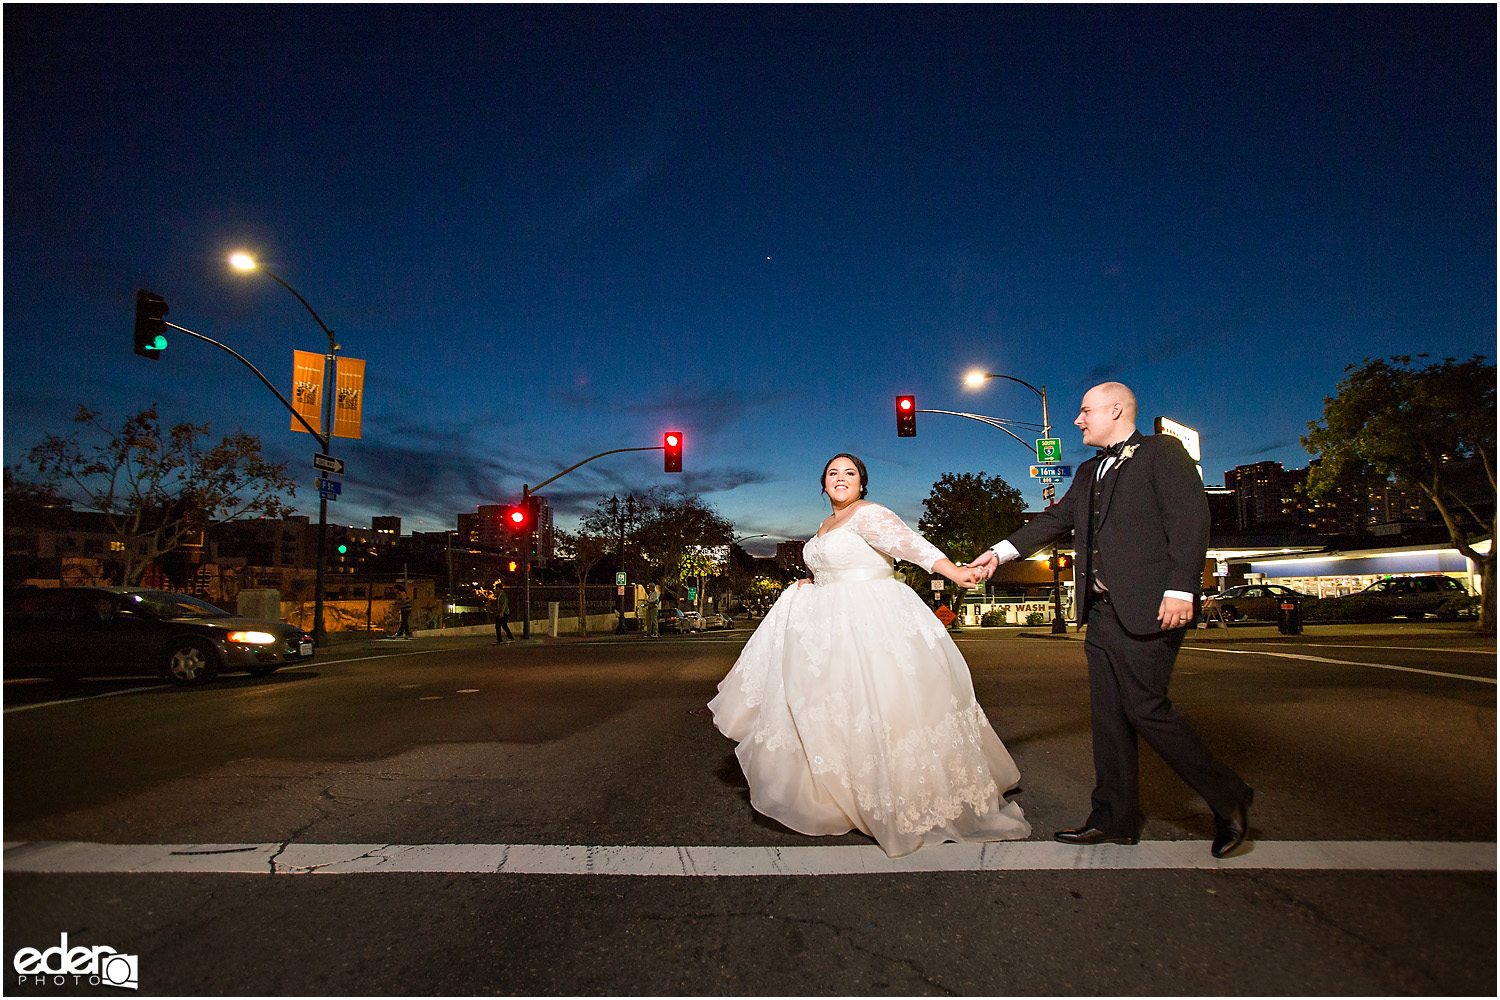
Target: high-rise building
{"points": [[789, 555]]}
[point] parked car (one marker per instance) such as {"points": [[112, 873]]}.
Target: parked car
{"points": [[715, 622], [67, 632], [1253, 602], [692, 622], [670, 620], [1411, 596]]}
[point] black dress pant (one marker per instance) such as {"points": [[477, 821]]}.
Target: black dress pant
{"points": [[1128, 677]]}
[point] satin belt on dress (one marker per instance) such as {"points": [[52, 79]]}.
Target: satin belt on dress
{"points": [[852, 575]]}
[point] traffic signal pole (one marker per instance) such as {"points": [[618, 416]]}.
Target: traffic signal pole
{"points": [[528, 491], [322, 436], [1059, 625]]}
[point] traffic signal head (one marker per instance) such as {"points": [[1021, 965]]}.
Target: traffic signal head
{"points": [[671, 443], [517, 519], [343, 549], [906, 416], [150, 327]]}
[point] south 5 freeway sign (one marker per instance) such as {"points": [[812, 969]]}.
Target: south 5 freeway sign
{"points": [[1051, 471]]}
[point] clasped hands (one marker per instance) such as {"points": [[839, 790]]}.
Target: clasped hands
{"points": [[972, 575]]}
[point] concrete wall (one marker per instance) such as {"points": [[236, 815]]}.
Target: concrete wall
{"points": [[566, 625]]}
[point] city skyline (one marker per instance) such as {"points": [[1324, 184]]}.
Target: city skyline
{"points": [[551, 232]]}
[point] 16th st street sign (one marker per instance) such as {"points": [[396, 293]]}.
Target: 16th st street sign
{"points": [[1055, 473]]}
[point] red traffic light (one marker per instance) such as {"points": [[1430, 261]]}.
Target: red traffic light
{"points": [[906, 416], [671, 443], [518, 519]]}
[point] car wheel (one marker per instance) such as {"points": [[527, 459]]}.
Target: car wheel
{"points": [[190, 661], [1230, 615]]}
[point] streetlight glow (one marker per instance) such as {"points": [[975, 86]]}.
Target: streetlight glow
{"points": [[243, 261], [976, 378]]}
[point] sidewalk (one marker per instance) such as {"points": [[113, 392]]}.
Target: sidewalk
{"points": [[1267, 631], [347, 645]]}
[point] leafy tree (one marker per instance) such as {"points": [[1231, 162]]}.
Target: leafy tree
{"points": [[965, 514], [678, 524], [158, 487], [612, 517], [660, 526], [1417, 426], [585, 551]]}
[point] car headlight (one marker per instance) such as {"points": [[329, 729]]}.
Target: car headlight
{"points": [[253, 638]]}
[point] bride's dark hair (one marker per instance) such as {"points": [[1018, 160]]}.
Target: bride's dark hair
{"points": [[864, 476]]}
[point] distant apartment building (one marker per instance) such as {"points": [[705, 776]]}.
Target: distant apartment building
{"points": [[1267, 497], [789, 555]]}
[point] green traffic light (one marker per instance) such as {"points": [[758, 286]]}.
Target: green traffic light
{"points": [[159, 344], [343, 549]]}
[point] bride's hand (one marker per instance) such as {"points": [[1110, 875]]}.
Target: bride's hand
{"points": [[803, 582], [967, 577]]}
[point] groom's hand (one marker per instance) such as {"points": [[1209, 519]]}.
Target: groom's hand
{"points": [[985, 564], [1174, 613]]}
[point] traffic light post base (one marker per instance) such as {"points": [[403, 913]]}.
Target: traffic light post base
{"points": [[1059, 624]]}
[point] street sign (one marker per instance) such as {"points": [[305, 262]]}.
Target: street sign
{"points": [[328, 463], [330, 486], [619, 579], [937, 584], [1049, 493], [1049, 480], [1049, 449], [1039, 471], [692, 593], [324, 494]]}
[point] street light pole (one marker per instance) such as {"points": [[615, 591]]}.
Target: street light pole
{"points": [[246, 263], [1059, 626]]}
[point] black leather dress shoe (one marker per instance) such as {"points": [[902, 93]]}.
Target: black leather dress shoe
{"points": [[1090, 835], [1231, 832]]}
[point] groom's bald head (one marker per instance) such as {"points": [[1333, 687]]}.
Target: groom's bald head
{"points": [[1107, 414]]}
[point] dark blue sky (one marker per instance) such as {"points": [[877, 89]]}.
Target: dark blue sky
{"points": [[552, 231]]}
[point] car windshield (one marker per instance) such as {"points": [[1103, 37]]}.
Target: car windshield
{"points": [[165, 605]]}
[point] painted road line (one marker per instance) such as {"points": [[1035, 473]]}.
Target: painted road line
{"points": [[551, 859], [1413, 649], [1342, 663], [86, 697]]}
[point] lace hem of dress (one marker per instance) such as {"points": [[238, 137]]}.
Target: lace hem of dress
{"points": [[946, 760]]}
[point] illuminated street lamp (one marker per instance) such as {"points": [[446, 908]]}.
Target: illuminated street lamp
{"points": [[974, 380], [245, 262]]}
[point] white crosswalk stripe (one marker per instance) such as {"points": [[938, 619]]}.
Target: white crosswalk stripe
{"points": [[550, 859]]}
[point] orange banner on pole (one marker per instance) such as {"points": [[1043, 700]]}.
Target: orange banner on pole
{"points": [[348, 403], [307, 389]]}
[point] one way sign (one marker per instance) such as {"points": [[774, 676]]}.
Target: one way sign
{"points": [[328, 463]]}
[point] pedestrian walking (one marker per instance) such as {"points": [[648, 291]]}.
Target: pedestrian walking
{"points": [[500, 608]]}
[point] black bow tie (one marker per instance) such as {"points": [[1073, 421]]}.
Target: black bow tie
{"points": [[1112, 451]]}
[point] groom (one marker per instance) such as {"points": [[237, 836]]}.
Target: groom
{"points": [[1139, 519]]}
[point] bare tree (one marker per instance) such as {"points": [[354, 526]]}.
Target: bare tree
{"points": [[160, 487]]}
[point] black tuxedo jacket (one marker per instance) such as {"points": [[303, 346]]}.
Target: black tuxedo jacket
{"points": [[1152, 523]]}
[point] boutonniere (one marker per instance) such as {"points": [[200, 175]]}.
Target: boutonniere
{"points": [[1125, 454]]}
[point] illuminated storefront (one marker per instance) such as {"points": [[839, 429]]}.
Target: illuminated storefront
{"points": [[1334, 574]]}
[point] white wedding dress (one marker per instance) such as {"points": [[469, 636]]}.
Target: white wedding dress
{"points": [[853, 709]]}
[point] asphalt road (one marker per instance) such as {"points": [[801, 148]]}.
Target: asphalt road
{"points": [[1348, 735]]}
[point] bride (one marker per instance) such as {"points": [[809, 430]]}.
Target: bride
{"points": [[852, 707]]}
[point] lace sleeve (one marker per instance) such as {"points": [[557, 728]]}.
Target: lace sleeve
{"points": [[889, 534]]}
